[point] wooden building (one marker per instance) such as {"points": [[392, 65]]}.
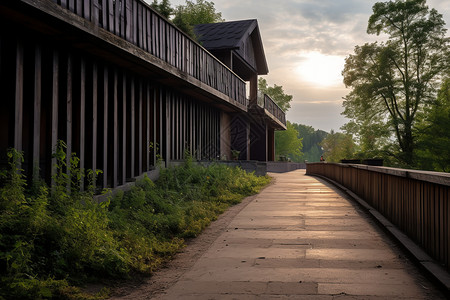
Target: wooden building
{"points": [[122, 86]]}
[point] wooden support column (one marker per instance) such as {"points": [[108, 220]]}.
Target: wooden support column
{"points": [[147, 126], [105, 127], [133, 125], [124, 129], [69, 111], [168, 128], [155, 126], [37, 111], [254, 89], [94, 118], [18, 128], [82, 117], [140, 129], [55, 92], [115, 177]]}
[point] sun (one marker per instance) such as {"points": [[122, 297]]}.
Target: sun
{"points": [[321, 70]]}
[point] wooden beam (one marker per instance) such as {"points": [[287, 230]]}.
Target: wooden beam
{"points": [[140, 129], [105, 127], [37, 111], [124, 129], [133, 126], [115, 177], [69, 112], [55, 93], [82, 117], [18, 128], [94, 117]]}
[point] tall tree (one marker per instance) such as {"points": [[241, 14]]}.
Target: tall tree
{"points": [[288, 144], [338, 146], [276, 93], [393, 81], [191, 14]]}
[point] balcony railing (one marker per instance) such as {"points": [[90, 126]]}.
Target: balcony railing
{"points": [[267, 103], [137, 23]]}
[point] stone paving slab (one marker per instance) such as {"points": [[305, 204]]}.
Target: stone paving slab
{"points": [[300, 239]]}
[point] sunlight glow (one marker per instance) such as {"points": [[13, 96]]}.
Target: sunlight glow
{"points": [[321, 70]]}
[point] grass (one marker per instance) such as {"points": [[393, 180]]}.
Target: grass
{"points": [[55, 239]]}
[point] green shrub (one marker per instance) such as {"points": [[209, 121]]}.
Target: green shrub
{"points": [[52, 239]]}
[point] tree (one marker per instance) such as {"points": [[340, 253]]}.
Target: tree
{"points": [[288, 144], [276, 93], [191, 14], [434, 142], [311, 140], [163, 8], [338, 146], [394, 81]]}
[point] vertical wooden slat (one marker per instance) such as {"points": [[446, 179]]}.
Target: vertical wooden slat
{"points": [[37, 111], [104, 23], [134, 39], [79, 7], [128, 21], [71, 4], [55, 92], [155, 126], [121, 19], [111, 21], [18, 128], [124, 129], [105, 127], [147, 141], [82, 116], [149, 31], [140, 28], [69, 113], [116, 133], [133, 125], [168, 127], [95, 8], [140, 132], [87, 9], [94, 117]]}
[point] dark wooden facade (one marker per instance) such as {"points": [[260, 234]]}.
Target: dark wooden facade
{"points": [[115, 81]]}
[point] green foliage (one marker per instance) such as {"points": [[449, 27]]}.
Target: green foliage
{"points": [[311, 140], [287, 143], [394, 82], [276, 93], [433, 149], [51, 241], [338, 146], [191, 14], [163, 8]]}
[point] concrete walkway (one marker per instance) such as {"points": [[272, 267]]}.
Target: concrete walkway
{"points": [[300, 239]]}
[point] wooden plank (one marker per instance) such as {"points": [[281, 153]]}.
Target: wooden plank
{"points": [[71, 4], [140, 129], [147, 141], [134, 39], [104, 11], [69, 114], [94, 117], [64, 3], [139, 27], [105, 127], [168, 127], [149, 30], [87, 9], [37, 111], [55, 93], [18, 126], [155, 126], [121, 13], [111, 18], [82, 117], [115, 177], [124, 129], [95, 9], [79, 7], [128, 20], [133, 125]]}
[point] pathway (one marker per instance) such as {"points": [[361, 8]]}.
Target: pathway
{"points": [[298, 239]]}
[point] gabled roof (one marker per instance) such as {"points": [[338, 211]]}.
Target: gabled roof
{"points": [[230, 36]]}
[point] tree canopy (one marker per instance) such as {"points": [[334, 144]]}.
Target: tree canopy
{"points": [[394, 81], [191, 14], [275, 92], [287, 143], [338, 146]]}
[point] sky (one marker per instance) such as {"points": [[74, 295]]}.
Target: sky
{"points": [[305, 43]]}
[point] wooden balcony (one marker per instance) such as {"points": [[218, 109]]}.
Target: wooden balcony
{"points": [[272, 111]]}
